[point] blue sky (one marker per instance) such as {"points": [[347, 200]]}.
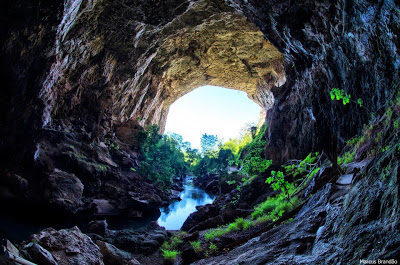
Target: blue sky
{"points": [[211, 110]]}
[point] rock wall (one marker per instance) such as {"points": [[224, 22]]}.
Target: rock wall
{"points": [[351, 45], [115, 65]]}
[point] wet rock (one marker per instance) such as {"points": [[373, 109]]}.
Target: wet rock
{"points": [[135, 214], [209, 223], [114, 256], [69, 246], [325, 175], [203, 213], [175, 195]]}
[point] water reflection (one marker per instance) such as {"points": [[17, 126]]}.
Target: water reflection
{"points": [[173, 216]]}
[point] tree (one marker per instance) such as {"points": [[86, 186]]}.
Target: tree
{"points": [[208, 143], [163, 157]]}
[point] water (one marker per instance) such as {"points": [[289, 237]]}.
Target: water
{"points": [[17, 223], [173, 216]]}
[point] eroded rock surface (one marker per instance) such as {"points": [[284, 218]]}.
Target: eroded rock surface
{"points": [[67, 246], [326, 44]]}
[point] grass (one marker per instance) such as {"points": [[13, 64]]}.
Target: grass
{"points": [[213, 233], [273, 208], [168, 248], [175, 241], [240, 224]]}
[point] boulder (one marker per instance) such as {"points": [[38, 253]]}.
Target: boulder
{"points": [[145, 240], [99, 227], [203, 213], [40, 255], [115, 256], [103, 207], [64, 190], [209, 223], [69, 246], [213, 187]]}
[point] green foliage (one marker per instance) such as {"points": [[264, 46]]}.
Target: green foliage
{"points": [[240, 224], [273, 208], [213, 233], [213, 248], [196, 245], [232, 227], [339, 94], [214, 161], [265, 207], [114, 146], [253, 162], [170, 255], [192, 156], [77, 155], [347, 157], [101, 167], [163, 157], [396, 124], [360, 102], [278, 182]]}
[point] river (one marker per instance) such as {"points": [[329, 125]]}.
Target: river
{"points": [[173, 216]]}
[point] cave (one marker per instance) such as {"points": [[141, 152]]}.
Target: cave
{"points": [[82, 80]]}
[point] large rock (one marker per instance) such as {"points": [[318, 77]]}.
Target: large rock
{"points": [[64, 189], [142, 241], [69, 246], [114, 256], [202, 214], [40, 255]]}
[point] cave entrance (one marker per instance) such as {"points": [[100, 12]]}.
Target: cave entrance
{"points": [[222, 50], [213, 110]]}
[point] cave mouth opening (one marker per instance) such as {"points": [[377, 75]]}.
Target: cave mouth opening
{"points": [[215, 111]]}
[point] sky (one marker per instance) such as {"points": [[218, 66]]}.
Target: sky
{"points": [[211, 110]]}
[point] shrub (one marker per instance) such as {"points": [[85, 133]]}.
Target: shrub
{"points": [[170, 255], [196, 245], [232, 227], [265, 207], [347, 157], [273, 208], [213, 248]]}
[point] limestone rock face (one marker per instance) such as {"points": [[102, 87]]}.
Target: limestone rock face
{"points": [[326, 44], [119, 67]]}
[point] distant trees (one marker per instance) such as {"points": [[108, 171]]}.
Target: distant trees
{"points": [[208, 143], [163, 156]]}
